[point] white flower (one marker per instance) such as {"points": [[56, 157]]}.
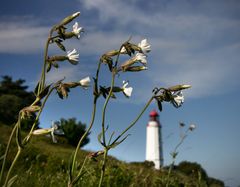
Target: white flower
{"points": [[127, 91], [47, 131], [141, 58], [85, 82], [123, 50], [178, 99], [73, 56], [192, 127], [77, 30], [145, 46]]}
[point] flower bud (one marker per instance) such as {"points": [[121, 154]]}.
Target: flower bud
{"points": [[68, 19], [112, 53], [192, 127], [42, 131], [135, 68], [85, 82], [179, 87]]}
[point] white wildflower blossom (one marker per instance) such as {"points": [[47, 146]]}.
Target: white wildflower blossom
{"points": [[47, 131], [178, 99], [192, 127], [123, 50], [145, 46], [141, 58], [85, 82], [127, 91], [73, 56], [77, 30]]}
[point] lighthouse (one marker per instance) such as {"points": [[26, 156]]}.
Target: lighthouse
{"points": [[154, 151]]}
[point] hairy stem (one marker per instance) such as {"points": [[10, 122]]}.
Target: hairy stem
{"points": [[103, 167], [27, 138], [43, 76], [105, 106], [12, 165]]}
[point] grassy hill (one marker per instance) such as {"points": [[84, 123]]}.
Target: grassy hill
{"points": [[44, 164]]}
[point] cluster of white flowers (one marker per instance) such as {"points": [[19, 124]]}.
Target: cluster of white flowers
{"points": [[141, 56]]}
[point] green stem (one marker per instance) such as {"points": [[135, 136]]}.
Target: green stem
{"points": [[43, 76], [174, 152], [7, 150], [90, 125], [27, 138], [85, 134], [169, 172], [11, 167], [79, 173], [103, 167], [134, 121], [105, 106]]}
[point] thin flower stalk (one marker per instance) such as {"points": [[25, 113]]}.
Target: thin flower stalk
{"points": [[87, 131], [175, 153]]}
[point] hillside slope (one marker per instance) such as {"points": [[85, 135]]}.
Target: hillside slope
{"points": [[44, 164]]}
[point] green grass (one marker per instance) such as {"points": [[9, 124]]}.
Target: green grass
{"points": [[44, 164]]}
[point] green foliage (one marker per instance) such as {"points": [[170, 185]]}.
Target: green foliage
{"points": [[44, 163], [13, 97], [73, 131], [192, 169]]}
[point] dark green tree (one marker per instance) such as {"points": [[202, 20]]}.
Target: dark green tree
{"points": [[13, 97], [192, 169], [73, 131]]}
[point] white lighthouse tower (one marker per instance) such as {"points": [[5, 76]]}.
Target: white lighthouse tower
{"points": [[154, 151]]}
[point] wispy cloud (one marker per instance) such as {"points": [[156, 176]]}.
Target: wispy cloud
{"points": [[199, 48], [21, 36]]}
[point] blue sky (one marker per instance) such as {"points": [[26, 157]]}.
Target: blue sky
{"points": [[193, 42]]}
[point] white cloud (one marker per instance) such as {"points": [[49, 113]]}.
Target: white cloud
{"points": [[22, 36], [197, 49]]}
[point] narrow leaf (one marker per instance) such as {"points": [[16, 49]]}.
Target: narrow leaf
{"points": [[70, 166], [60, 45], [119, 142], [11, 181], [49, 66], [159, 105], [36, 89], [110, 139], [44, 92]]}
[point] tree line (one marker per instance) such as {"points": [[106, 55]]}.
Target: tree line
{"points": [[14, 96]]}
